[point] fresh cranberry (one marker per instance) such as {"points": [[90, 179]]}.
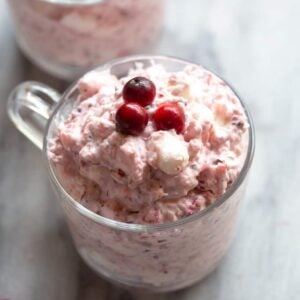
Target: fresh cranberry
{"points": [[169, 116], [131, 118], [140, 90]]}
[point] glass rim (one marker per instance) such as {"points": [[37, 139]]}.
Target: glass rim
{"points": [[152, 227], [72, 2]]}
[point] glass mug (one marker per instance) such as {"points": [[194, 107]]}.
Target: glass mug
{"points": [[68, 37], [157, 257]]}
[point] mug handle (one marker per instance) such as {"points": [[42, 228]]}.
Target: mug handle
{"points": [[29, 107]]}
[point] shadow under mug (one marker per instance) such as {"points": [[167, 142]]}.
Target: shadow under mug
{"points": [[157, 257]]}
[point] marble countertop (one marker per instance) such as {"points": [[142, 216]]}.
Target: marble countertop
{"points": [[253, 44]]}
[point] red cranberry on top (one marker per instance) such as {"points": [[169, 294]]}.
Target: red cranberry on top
{"points": [[140, 90], [131, 119], [169, 115]]}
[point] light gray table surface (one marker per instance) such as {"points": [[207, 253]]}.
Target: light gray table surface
{"points": [[253, 44]]}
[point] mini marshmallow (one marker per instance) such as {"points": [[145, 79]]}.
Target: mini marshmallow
{"points": [[172, 154], [79, 22]]}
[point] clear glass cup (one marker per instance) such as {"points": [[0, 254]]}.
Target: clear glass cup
{"points": [[161, 257], [68, 37]]}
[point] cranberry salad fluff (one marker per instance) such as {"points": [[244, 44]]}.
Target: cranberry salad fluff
{"points": [[69, 37], [151, 147]]}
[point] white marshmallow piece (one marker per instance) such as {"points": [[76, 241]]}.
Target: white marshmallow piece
{"points": [[172, 154], [79, 22]]}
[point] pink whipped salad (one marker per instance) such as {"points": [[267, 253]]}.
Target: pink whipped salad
{"points": [[158, 176], [82, 35]]}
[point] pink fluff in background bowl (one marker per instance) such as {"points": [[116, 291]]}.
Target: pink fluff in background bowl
{"points": [[67, 38]]}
